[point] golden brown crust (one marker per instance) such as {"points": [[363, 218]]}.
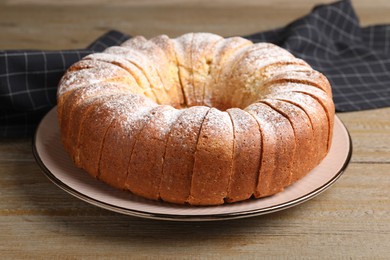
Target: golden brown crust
{"points": [[304, 137], [278, 147], [93, 130], [213, 160], [145, 178], [318, 94], [76, 106], [120, 138], [317, 117], [246, 156], [177, 170]]}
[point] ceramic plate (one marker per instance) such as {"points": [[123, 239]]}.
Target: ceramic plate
{"points": [[58, 167]]}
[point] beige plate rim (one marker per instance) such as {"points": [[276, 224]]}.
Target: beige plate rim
{"points": [[57, 166]]}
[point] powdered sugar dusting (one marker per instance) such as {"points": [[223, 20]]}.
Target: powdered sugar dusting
{"points": [[216, 134], [79, 78], [267, 120], [240, 118], [188, 124]]}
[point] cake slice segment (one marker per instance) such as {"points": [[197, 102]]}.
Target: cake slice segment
{"points": [[145, 65], [161, 63], [316, 115], [120, 139], [93, 130], [138, 77], [268, 73], [220, 87], [146, 164], [179, 155], [183, 56], [87, 80], [223, 55], [86, 72], [246, 156], [312, 91], [246, 79], [202, 49], [278, 149], [303, 161], [76, 106], [213, 160], [172, 71], [307, 77]]}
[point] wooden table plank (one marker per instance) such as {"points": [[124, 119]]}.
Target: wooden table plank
{"points": [[371, 139], [333, 224], [66, 24]]}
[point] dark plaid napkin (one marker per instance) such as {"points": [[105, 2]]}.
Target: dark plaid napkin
{"points": [[356, 61], [28, 82]]}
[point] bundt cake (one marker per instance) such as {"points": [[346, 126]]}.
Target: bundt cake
{"points": [[199, 119]]}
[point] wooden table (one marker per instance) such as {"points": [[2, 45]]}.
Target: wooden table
{"points": [[39, 220]]}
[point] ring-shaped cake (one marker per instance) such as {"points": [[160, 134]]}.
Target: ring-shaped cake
{"points": [[199, 119]]}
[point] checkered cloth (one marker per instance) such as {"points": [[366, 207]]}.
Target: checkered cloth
{"points": [[29, 79], [356, 61]]}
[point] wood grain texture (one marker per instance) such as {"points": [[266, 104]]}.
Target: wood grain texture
{"points": [[75, 24], [38, 220]]}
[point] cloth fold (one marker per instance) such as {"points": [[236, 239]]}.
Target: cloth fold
{"points": [[356, 61]]}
